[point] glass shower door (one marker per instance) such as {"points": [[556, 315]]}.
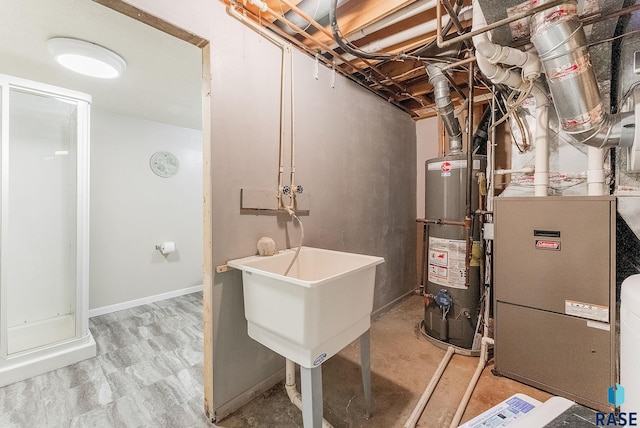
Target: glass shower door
{"points": [[44, 218]]}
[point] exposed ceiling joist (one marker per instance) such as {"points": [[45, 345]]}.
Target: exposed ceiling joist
{"points": [[395, 27], [400, 34]]}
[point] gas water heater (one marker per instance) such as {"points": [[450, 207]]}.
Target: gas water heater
{"points": [[451, 300]]}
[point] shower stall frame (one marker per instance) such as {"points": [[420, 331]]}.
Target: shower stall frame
{"points": [[20, 365]]}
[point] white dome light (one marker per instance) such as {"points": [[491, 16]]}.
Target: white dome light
{"points": [[86, 58]]}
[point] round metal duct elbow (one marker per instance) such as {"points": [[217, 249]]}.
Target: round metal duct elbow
{"points": [[444, 106], [559, 38]]}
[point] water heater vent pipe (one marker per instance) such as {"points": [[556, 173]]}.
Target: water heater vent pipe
{"points": [[444, 106]]}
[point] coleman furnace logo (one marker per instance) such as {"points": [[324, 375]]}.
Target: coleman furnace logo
{"points": [[547, 245]]}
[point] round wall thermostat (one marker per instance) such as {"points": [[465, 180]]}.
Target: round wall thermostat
{"points": [[164, 164]]}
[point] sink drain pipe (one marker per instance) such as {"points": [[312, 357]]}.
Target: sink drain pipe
{"points": [[482, 362], [484, 354], [426, 395], [292, 391]]}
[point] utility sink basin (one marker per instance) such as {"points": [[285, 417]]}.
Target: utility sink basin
{"points": [[322, 305]]}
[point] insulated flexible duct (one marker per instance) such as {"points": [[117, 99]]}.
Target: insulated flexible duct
{"points": [[444, 106], [559, 38]]}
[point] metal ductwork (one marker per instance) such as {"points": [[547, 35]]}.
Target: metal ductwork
{"points": [[444, 106], [560, 40]]}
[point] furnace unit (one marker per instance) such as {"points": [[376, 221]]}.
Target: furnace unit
{"points": [[554, 279]]}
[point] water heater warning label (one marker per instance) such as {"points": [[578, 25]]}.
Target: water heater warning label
{"points": [[446, 262]]}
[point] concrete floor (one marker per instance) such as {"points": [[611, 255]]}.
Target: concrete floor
{"points": [[402, 363]]}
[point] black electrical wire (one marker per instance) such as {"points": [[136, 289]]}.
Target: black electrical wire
{"points": [[353, 50], [335, 31]]}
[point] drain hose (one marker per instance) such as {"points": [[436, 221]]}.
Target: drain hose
{"points": [[295, 256]]}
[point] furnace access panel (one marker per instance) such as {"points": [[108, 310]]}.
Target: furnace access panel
{"points": [[554, 294]]}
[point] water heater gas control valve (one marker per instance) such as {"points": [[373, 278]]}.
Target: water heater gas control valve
{"points": [[443, 299]]}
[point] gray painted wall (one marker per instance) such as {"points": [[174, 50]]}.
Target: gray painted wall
{"points": [[427, 148], [356, 158]]}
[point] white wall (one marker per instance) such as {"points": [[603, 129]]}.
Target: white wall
{"points": [[132, 209], [426, 148]]}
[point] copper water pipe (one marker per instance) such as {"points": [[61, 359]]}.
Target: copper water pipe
{"points": [[440, 221], [459, 63], [467, 218]]}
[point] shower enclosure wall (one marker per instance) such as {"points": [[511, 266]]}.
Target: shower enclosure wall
{"points": [[44, 224]]}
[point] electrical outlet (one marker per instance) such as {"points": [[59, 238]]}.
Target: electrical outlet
{"points": [[488, 230]]}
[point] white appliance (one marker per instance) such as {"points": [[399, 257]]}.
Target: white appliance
{"points": [[630, 343]]}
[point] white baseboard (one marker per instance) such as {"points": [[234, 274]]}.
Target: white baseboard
{"points": [[143, 301]]}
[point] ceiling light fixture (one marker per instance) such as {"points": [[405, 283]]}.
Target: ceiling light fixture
{"points": [[86, 58]]}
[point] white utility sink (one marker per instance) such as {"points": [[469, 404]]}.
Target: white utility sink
{"points": [[322, 305]]}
